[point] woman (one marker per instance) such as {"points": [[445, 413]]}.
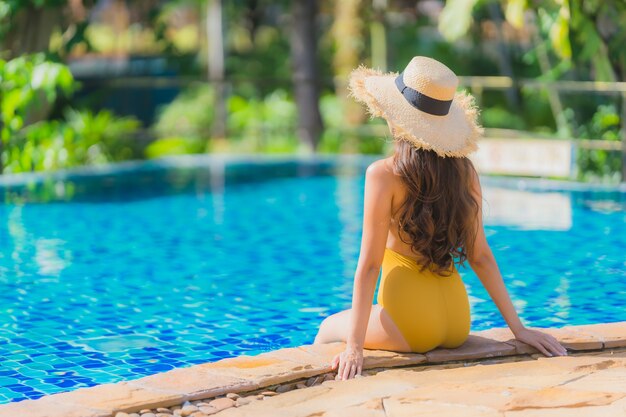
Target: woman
{"points": [[422, 213]]}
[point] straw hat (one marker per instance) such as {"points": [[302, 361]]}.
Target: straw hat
{"points": [[421, 105]]}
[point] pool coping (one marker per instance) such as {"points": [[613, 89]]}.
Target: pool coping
{"points": [[220, 159], [269, 370], [175, 161]]}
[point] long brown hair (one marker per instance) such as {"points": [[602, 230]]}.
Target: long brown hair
{"points": [[439, 213]]}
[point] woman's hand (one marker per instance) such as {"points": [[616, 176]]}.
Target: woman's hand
{"points": [[348, 363], [543, 342]]}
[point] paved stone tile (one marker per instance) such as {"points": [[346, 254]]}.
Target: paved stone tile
{"points": [[261, 370], [409, 407], [547, 372], [616, 409], [607, 380], [505, 335], [370, 408], [471, 395], [506, 392], [118, 397], [371, 358], [478, 390], [612, 334], [194, 383], [584, 363], [302, 355], [522, 374], [575, 338], [555, 397], [475, 347], [610, 353], [331, 395], [583, 337], [514, 385], [46, 407]]}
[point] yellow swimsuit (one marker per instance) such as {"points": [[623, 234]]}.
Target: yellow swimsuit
{"points": [[430, 310]]}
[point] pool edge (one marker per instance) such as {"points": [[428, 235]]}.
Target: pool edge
{"points": [[244, 374]]}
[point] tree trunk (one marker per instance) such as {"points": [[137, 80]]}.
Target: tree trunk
{"points": [[305, 74], [215, 54], [31, 29], [346, 30], [503, 57]]}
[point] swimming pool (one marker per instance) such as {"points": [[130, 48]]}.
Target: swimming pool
{"points": [[149, 267]]}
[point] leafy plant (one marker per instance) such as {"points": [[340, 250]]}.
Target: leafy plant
{"points": [[102, 137], [497, 117], [190, 115], [263, 122], [174, 146], [30, 85], [84, 138], [597, 164]]}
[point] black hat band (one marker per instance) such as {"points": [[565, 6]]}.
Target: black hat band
{"points": [[422, 101]]}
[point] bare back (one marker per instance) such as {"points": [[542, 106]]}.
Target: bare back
{"points": [[399, 195]]}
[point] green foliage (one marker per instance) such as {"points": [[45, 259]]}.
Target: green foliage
{"points": [[590, 48], [265, 54], [332, 114], [174, 146], [254, 125], [265, 122], [599, 165], [190, 115], [30, 84], [101, 137], [605, 124], [595, 164], [498, 117], [39, 147], [83, 139], [456, 18], [336, 139]]}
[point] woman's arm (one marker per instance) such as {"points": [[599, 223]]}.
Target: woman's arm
{"points": [[486, 268], [376, 220]]}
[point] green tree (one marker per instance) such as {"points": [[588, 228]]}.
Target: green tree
{"points": [[28, 84], [588, 33]]}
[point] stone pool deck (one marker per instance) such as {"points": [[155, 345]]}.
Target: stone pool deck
{"points": [[492, 374]]}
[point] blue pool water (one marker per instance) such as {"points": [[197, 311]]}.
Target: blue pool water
{"points": [[123, 275]]}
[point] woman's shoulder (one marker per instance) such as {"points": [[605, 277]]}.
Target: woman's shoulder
{"points": [[381, 169], [381, 174]]}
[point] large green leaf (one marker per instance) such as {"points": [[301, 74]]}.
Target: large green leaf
{"points": [[456, 18], [559, 35], [514, 13]]}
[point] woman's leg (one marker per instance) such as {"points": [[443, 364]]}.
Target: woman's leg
{"points": [[382, 333]]}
